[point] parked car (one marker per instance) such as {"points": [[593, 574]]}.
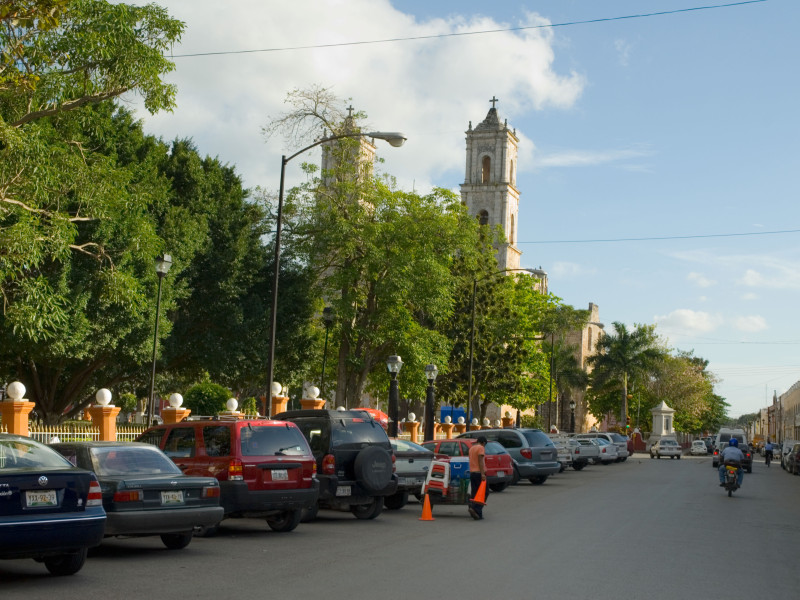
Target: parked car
{"points": [[620, 441], [698, 448], [412, 463], [709, 442], [499, 463], [50, 510], [535, 456], [564, 449], [609, 452], [145, 493], [264, 467], [793, 460], [586, 452], [665, 447], [354, 460]]}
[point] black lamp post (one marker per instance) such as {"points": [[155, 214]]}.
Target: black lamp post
{"points": [[572, 416], [394, 138], [430, 373], [393, 366], [327, 317], [163, 263]]}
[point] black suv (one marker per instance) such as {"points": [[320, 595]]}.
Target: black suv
{"points": [[355, 464]]}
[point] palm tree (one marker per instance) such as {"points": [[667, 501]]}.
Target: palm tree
{"points": [[623, 356], [567, 374]]}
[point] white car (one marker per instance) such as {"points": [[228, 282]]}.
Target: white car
{"points": [[608, 451], [665, 447], [698, 448]]}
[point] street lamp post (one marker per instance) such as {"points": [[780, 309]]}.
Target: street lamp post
{"points": [[394, 138], [472, 336], [550, 395], [572, 416], [393, 366], [327, 317], [430, 373], [163, 263]]}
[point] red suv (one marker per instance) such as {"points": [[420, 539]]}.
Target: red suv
{"points": [[264, 467]]}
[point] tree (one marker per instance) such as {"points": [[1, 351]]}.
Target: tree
{"points": [[620, 357], [206, 398], [568, 375]]}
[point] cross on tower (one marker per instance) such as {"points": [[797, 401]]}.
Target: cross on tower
{"points": [[493, 100], [350, 111]]}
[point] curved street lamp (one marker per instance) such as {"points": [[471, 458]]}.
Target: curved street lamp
{"points": [[394, 138], [393, 366], [163, 264], [431, 371]]}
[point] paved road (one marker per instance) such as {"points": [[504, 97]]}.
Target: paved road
{"points": [[645, 529]]}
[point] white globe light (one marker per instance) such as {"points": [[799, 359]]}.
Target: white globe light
{"points": [[474, 421], [412, 417], [103, 397], [232, 404], [461, 420], [341, 408], [498, 423], [16, 391], [276, 388], [313, 392], [508, 415], [175, 400], [486, 421], [448, 419]]}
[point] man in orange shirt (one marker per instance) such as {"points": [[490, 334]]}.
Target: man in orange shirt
{"points": [[477, 475]]}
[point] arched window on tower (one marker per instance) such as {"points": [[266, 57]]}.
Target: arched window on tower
{"points": [[512, 238], [487, 168], [483, 217]]}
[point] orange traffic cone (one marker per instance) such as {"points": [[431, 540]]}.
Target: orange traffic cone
{"points": [[480, 497], [427, 514]]}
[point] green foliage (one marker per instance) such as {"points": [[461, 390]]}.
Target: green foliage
{"points": [[206, 399], [128, 402], [250, 406]]}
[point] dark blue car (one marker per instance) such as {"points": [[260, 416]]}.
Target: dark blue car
{"points": [[49, 510]]}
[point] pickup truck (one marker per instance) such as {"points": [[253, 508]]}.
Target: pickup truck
{"points": [[584, 453]]}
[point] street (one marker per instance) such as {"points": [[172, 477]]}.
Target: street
{"points": [[641, 529]]}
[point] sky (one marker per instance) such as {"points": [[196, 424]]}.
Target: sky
{"points": [[658, 159]]}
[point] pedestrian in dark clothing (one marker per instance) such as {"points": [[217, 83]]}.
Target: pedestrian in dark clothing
{"points": [[477, 475]]}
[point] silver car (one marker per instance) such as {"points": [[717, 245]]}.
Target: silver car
{"points": [[412, 463], [620, 441], [535, 456]]}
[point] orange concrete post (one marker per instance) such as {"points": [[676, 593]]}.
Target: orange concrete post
{"points": [[174, 414], [461, 427], [105, 418], [312, 403], [15, 415], [279, 404], [508, 422], [412, 427], [448, 430]]}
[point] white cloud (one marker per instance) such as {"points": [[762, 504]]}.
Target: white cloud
{"points": [[750, 296], [623, 48], [687, 321], [569, 270], [700, 280], [750, 324], [585, 158], [765, 271]]}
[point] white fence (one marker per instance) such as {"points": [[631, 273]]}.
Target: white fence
{"points": [[71, 432]]}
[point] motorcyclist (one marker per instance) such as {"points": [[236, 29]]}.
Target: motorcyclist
{"points": [[768, 452], [731, 454]]}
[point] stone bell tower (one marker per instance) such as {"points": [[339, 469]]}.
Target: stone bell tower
{"points": [[490, 189]]}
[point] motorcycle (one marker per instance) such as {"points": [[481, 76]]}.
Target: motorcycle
{"points": [[731, 478]]}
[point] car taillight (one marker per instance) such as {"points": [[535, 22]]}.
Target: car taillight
{"points": [[95, 497], [128, 496], [604, 450], [577, 450], [211, 491], [235, 470], [329, 464], [526, 452]]}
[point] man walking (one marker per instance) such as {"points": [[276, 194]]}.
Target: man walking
{"points": [[477, 475]]}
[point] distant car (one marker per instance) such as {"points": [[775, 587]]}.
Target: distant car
{"points": [[786, 447], [793, 460], [698, 448], [499, 464], [50, 510], [586, 452], [665, 447], [620, 441], [412, 463], [535, 456], [145, 493], [609, 452]]}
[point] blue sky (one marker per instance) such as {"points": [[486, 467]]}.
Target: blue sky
{"points": [[680, 126]]}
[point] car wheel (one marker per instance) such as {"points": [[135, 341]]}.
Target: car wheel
{"points": [[176, 541], [578, 466], [66, 564], [678, 457], [749, 469], [498, 487], [373, 468], [285, 521], [368, 511], [396, 501], [538, 480], [515, 477], [309, 514]]}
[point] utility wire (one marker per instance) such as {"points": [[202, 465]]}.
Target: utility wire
{"points": [[467, 33], [666, 237]]}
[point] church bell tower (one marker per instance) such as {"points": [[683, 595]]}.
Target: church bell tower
{"points": [[490, 189]]}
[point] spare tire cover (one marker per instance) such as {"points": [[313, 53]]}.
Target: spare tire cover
{"points": [[373, 468]]}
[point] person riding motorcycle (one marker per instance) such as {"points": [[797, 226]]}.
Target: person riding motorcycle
{"points": [[731, 454]]}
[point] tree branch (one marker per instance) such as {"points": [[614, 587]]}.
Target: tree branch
{"points": [[71, 105]]}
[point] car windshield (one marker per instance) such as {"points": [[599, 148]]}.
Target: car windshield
{"points": [[618, 437], [109, 461], [406, 446], [669, 443], [272, 440], [537, 438], [495, 448], [27, 454], [356, 432]]}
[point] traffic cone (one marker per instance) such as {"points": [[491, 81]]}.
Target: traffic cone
{"points": [[427, 514], [480, 497]]}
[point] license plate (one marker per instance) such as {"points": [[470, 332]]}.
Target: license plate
{"points": [[501, 473], [280, 475], [343, 490], [41, 498], [172, 497]]}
